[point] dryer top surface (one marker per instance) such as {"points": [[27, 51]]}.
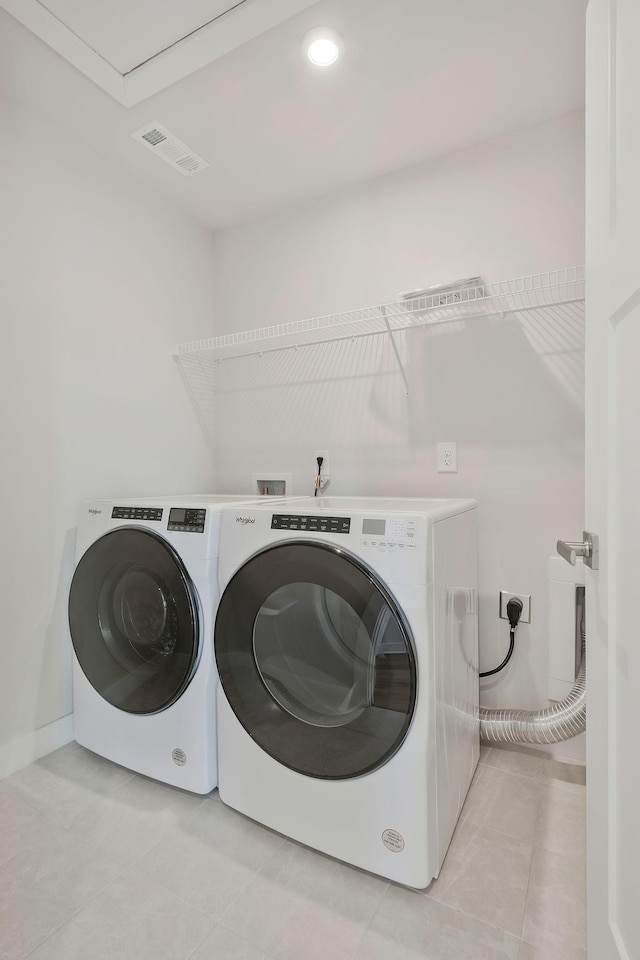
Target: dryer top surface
{"points": [[434, 508]]}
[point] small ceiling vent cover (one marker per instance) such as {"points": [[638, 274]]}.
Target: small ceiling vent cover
{"points": [[447, 293], [157, 138]]}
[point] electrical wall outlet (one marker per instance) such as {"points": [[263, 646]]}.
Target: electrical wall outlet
{"points": [[447, 456], [525, 600]]}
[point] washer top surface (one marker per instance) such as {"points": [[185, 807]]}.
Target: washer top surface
{"points": [[201, 499]]}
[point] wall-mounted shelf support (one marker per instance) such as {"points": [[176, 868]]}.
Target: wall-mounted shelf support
{"points": [[394, 347]]}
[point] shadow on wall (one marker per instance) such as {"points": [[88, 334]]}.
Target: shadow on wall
{"points": [[499, 380], [349, 389], [486, 380], [54, 699]]}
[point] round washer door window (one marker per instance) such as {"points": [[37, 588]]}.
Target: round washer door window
{"points": [[133, 615], [316, 660]]}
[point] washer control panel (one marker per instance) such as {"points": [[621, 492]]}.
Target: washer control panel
{"points": [[310, 524], [136, 513], [186, 521]]}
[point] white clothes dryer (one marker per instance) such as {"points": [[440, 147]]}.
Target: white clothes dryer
{"points": [[347, 649], [142, 606]]}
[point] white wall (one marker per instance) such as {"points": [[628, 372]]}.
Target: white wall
{"points": [[97, 280], [509, 391]]}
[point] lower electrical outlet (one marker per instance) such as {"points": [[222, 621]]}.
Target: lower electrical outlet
{"points": [[525, 600]]}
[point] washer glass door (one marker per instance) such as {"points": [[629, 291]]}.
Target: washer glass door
{"points": [[316, 659], [133, 615]]}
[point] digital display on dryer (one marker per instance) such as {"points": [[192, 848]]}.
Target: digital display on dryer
{"points": [[375, 528]]}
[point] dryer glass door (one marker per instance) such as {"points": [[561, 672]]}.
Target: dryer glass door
{"points": [[133, 616], [316, 660]]}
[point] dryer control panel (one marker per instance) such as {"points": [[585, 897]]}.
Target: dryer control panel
{"points": [[136, 513], [310, 524]]}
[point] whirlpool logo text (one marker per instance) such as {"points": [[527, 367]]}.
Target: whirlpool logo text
{"points": [[245, 520]]}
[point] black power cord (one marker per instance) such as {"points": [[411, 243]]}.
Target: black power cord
{"points": [[320, 461], [514, 612]]}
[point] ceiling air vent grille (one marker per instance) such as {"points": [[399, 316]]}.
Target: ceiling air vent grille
{"points": [[157, 138], [445, 294], [154, 137]]}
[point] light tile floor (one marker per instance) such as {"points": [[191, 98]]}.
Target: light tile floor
{"points": [[100, 863]]}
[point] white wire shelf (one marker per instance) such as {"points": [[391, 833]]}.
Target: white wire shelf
{"points": [[351, 351], [547, 291]]}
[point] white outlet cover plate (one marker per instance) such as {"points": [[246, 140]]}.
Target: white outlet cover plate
{"points": [[447, 456]]}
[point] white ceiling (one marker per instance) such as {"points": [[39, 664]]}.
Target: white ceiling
{"points": [[418, 78]]}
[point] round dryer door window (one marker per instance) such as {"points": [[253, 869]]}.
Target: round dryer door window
{"points": [[316, 660], [133, 616]]}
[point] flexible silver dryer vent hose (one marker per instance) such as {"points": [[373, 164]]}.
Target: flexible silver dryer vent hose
{"points": [[561, 721]]}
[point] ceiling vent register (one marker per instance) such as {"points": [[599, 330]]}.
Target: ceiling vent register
{"points": [[157, 138], [447, 293]]}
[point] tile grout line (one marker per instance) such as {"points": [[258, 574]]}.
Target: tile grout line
{"points": [[254, 878], [367, 926], [74, 914], [266, 953], [214, 924], [526, 896]]}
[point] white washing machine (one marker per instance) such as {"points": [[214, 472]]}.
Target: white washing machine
{"points": [[347, 648], [142, 606]]}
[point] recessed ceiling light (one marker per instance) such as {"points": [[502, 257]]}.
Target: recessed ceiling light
{"points": [[322, 45]]}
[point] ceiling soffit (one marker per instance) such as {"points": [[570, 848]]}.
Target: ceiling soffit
{"points": [[241, 22]]}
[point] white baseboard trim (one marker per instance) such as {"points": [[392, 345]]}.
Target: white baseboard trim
{"points": [[20, 753]]}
